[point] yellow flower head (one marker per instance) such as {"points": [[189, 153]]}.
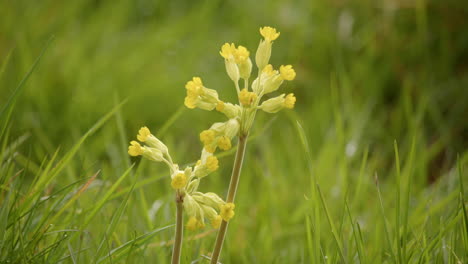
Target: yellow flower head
{"points": [[207, 136], [194, 224], [269, 33], [194, 87], [143, 134], [190, 102], [228, 51], [135, 149], [212, 163], [224, 143], [179, 181], [289, 101], [241, 55], [268, 70], [220, 106], [227, 211], [216, 221], [246, 98], [287, 72]]}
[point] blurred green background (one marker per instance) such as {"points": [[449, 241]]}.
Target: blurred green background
{"points": [[368, 73]]}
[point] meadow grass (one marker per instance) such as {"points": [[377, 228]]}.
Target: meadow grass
{"points": [[370, 167]]}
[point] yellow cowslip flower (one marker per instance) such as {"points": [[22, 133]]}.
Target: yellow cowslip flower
{"points": [[230, 110], [216, 221], [135, 149], [220, 106], [277, 103], [144, 135], [289, 101], [207, 136], [247, 98], [262, 57], [268, 70], [200, 96], [287, 72], [241, 54], [212, 163], [210, 213], [207, 164], [228, 51], [194, 224], [224, 143], [194, 87], [268, 81], [227, 211], [179, 180], [269, 33], [211, 137]]}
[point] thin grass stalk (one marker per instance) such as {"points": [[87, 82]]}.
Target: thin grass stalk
{"points": [[231, 195]]}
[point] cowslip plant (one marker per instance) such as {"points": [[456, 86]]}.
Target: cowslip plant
{"points": [[198, 206], [240, 116]]}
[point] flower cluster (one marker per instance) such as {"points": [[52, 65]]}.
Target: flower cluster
{"points": [[198, 206], [240, 116]]}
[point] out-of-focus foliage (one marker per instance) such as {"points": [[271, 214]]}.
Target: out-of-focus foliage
{"points": [[368, 73]]}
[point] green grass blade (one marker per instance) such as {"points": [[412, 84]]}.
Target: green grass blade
{"points": [[105, 198], [16, 92], [332, 226], [397, 203], [119, 252]]}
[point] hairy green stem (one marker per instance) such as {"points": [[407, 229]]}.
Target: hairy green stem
{"points": [[231, 194], [179, 230]]}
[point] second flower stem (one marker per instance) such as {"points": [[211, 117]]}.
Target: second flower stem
{"points": [[236, 170], [179, 230]]}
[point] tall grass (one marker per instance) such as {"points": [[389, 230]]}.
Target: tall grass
{"points": [[370, 168]]}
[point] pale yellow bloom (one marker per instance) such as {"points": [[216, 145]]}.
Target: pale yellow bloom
{"points": [[220, 106], [241, 54], [287, 72], [213, 137], [194, 87], [268, 70], [179, 180], [228, 51], [289, 101], [194, 224], [262, 57], [135, 149], [247, 98], [209, 199], [212, 163], [143, 134], [230, 110], [200, 96], [269, 33], [224, 143], [216, 221], [276, 104], [207, 164], [207, 136], [227, 211]]}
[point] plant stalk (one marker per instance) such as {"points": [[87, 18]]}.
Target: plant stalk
{"points": [[179, 230], [231, 195]]}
